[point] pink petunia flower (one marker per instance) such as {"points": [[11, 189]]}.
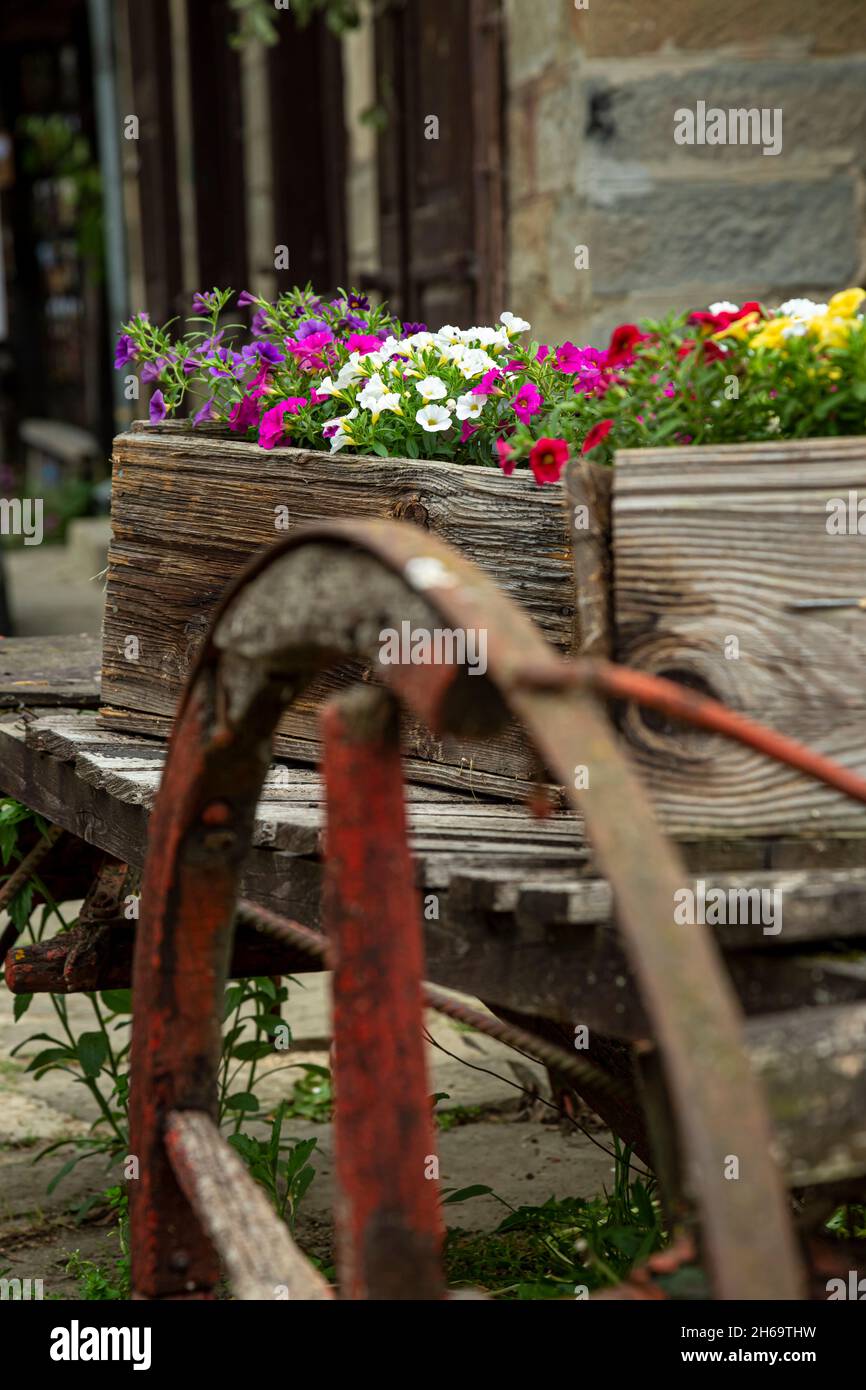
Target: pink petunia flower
{"points": [[527, 402], [507, 457]]}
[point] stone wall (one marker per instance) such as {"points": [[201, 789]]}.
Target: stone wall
{"points": [[591, 94]]}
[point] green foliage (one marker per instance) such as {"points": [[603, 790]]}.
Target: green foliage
{"points": [[98, 1282], [279, 1165], [551, 1250]]}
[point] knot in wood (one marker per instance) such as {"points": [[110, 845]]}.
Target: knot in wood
{"points": [[410, 508]]}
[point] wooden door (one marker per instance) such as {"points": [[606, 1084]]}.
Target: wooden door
{"points": [[440, 159]]}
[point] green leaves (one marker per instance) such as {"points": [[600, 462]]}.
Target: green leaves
{"points": [[117, 1001], [20, 1005], [92, 1050]]}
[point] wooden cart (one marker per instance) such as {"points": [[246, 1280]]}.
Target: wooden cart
{"points": [[707, 1045]]}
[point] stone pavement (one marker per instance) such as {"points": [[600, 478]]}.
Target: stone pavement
{"points": [[502, 1142]]}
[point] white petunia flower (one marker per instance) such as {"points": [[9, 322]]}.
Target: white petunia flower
{"points": [[796, 329], [802, 308], [349, 373], [724, 306], [513, 323], [340, 420], [390, 346], [475, 362], [469, 406], [433, 418], [419, 340], [389, 401], [372, 391], [432, 388], [327, 387], [449, 334]]}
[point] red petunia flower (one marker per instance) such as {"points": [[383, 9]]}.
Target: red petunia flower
{"points": [[597, 435], [547, 460], [717, 323], [623, 341]]}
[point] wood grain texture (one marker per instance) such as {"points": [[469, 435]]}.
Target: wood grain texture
{"points": [[257, 1252], [49, 671], [189, 511], [709, 545]]}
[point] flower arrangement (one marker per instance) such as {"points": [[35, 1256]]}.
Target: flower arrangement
{"points": [[345, 375]]}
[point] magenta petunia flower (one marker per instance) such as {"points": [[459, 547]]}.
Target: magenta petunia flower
{"points": [[243, 415], [273, 425], [363, 342], [527, 402], [569, 358], [487, 384]]}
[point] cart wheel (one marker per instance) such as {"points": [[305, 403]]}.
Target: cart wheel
{"points": [[321, 597]]}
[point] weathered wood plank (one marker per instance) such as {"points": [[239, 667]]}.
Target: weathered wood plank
{"points": [[188, 513], [49, 671], [259, 1255], [710, 545]]}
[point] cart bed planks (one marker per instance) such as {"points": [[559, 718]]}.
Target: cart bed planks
{"points": [[688, 573]]}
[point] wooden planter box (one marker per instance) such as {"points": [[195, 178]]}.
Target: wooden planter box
{"points": [[707, 547]]}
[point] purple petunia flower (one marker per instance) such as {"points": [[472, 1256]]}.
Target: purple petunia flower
{"points": [[125, 351], [358, 301], [229, 361], [410, 328], [152, 371], [206, 413], [262, 352], [203, 303], [245, 298], [311, 326], [258, 323], [158, 408]]}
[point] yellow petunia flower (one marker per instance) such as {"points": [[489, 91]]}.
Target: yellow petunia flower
{"points": [[740, 328], [846, 303], [771, 334], [831, 330]]}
